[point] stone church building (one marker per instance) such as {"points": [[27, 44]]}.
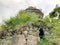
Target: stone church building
{"points": [[28, 33]]}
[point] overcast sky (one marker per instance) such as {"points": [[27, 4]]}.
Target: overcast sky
{"points": [[11, 7]]}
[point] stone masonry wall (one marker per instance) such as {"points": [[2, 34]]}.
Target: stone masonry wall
{"points": [[28, 35]]}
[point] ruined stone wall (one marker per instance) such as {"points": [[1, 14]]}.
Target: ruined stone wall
{"points": [[27, 35]]}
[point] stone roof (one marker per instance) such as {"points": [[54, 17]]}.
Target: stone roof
{"points": [[36, 11]]}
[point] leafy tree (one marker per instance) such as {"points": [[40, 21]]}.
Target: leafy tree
{"points": [[55, 12]]}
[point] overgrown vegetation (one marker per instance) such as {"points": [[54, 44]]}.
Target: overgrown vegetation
{"points": [[46, 41], [54, 29], [51, 22], [12, 25], [55, 12], [21, 18]]}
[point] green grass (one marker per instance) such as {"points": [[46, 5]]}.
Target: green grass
{"points": [[44, 41]]}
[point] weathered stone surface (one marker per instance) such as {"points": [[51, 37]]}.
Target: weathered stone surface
{"points": [[32, 40], [7, 41], [35, 11], [20, 40], [58, 42], [27, 35]]}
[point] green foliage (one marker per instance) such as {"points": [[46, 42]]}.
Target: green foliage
{"points": [[25, 16], [47, 20], [51, 21], [53, 13], [57, 9], [56, 30], [10, 21], [46, 41], [21, 18], [55, 23]]}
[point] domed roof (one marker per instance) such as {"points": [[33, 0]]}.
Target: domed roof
{"points": [[35, 10]]}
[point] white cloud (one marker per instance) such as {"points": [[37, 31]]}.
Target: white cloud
{"points": [[10, 7]]}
